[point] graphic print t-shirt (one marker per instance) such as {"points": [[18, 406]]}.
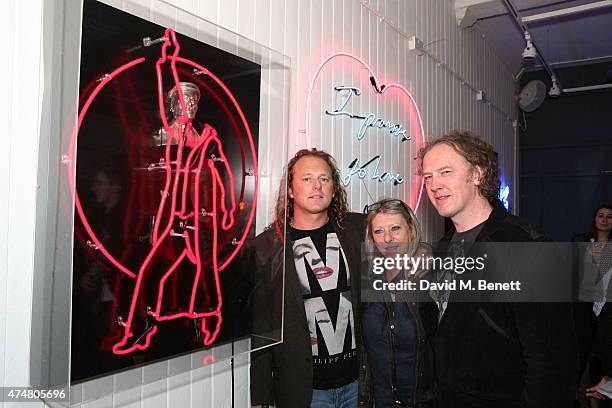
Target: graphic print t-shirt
{"points": [[325, 281]]}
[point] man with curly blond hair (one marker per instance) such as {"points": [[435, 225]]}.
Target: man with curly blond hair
{"points": [[317, 364], [487, 353]]}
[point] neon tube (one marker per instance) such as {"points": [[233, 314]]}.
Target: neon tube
{"points": [[171, 189], [381, 89], [252, 148], [72, 166]]}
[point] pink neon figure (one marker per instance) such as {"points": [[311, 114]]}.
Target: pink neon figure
{"points": [[179, 213], [179, 133]]}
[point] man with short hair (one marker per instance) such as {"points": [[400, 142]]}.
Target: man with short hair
{"points": [[317, 363], [491, 354]]}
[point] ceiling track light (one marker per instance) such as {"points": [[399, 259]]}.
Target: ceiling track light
{"points": [[555, 90], [530, 52]]}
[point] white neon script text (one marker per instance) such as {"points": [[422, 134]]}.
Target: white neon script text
{"points": [[361, 171], [367, 121]]}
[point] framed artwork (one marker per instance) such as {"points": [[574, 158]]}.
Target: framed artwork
{"points": [[165, 191]]}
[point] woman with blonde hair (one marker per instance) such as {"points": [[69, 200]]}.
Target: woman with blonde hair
{"points": [[397, 356]]}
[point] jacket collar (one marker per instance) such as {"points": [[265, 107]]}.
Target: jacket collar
{"points": [[491, 225]]}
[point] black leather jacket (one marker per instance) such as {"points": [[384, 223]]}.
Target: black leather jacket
{"points": [[422, 392], [505, 352], [422, 374]]}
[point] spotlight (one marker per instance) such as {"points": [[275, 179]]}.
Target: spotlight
{"points": [[530, 51], [555, 90]]}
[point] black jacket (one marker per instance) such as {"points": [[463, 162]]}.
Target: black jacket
{"points": [[504, 354], [282, 374], [422, 391], [422, 386]]}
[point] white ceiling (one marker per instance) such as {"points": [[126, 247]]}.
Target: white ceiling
{"points": [[569, 39]]}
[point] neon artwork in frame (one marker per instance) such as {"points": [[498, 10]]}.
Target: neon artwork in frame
{"points": [[165, 194]]}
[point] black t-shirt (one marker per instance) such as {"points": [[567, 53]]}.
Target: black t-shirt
{"points": [[458, 247], [461, 242], [325, 281]]}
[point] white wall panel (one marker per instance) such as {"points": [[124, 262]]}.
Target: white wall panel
{"points": [[7, 19], [21, 117]]}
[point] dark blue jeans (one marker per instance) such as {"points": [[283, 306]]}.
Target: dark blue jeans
{"points": [[343, 397]]}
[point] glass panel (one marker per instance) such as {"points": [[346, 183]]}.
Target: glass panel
{"points": [[51, 308], [166, 174]]}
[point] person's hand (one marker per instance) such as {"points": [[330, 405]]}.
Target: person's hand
{"points": [[593, 392]]}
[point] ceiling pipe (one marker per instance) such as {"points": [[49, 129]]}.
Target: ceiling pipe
{"points": [[567, 11], [588, 88]]}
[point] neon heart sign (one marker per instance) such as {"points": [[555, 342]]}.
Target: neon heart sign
{"points": [[372, 167], [366, 120]]}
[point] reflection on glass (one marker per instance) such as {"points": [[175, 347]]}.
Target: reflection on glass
{"points": [[163, 153]]}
